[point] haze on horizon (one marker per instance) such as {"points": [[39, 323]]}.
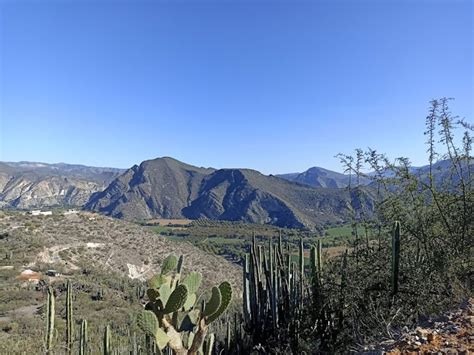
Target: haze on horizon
{"points": [[276, 86]]}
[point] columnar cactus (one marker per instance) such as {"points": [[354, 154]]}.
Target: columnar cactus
{"points": [[106, 346], [83, 341], [69, 317], [316, 263], [50, 309], [320, 257], [274, 288], [172, 311]]}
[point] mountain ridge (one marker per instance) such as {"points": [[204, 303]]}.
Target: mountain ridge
{"points": [[167, 188], [35, 185], [321, 177]]}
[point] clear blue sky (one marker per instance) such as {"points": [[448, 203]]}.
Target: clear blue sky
{"points": [[278, 86]]}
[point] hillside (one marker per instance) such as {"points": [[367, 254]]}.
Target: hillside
{"points": [[156, 188], [71, 241], [107, 261], [26, 185], [167, 188], [320, 177], [249, 196]]}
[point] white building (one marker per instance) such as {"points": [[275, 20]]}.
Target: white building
{"points": [[68, 212], [41, 213]]}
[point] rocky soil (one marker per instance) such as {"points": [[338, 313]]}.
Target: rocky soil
{"points": [[449, 334]]}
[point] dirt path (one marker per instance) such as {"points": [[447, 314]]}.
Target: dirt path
{"points": [[51, 255]]}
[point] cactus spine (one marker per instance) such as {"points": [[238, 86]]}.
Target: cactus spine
{"points": [[69, 317], [50, 319], [395, 256], [83, 338]]}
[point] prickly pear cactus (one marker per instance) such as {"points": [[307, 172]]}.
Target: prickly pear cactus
{"points": [[171, 316]]}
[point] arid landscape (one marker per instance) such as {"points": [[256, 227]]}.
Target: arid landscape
{"points": [[265, 177]]}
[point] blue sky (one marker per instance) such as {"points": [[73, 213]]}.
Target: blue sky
{"points": [[277, 86]]}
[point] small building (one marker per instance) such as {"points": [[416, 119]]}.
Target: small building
{"points": [[70, 211], [41, 213]]}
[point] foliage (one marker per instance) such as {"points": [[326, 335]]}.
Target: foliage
{"points": [[385, 280], [173, 317]]}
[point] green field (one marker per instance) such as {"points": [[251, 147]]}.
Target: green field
{"points": [[233, 239]]}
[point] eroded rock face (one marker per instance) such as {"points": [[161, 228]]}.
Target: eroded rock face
{"points": [[28, 185], [24, 193]]}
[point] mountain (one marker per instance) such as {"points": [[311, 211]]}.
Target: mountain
{"points": [[157, 188], [320, 177], [167, 188], [36, 185]]}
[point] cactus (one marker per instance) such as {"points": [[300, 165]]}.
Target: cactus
{"points": [[69, 317], [107, 341], [313, 262], [227, 338], [148, 322], [192, 282], [273, 298], [176, 300], [169, 264], [83, 341], [225, 290], [50, 309], [209, 345], [171, 317], [301, 258], [320, 256], [214, 302], [301, 269], [395, 256]]}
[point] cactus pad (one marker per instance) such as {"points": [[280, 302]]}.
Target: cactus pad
{"points": [[158, 280], [213, 305], [192, 281], [152, 294], [169, 264], [176, 300], [148, 322], [165, 292], [190, 301], [226, 293]]}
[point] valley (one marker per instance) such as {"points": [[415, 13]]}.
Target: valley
{"points": [[107, 249]]}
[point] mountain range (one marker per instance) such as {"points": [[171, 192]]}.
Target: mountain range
{"points": [[34, 185], [320, 177], [167, 188]]}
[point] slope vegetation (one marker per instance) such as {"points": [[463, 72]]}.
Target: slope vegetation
{"points": [[167, 188]]}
